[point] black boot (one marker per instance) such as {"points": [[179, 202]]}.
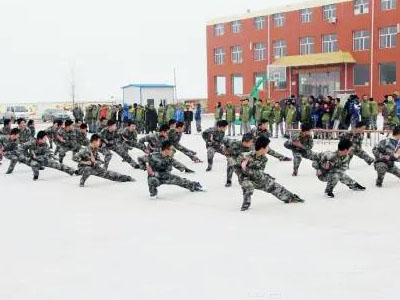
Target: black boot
{"points": [[330, 194], [228, 183], [36, 177], [357, 187], [246, 203], [379, 183]]}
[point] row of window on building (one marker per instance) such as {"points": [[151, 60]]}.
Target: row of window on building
{"points": [[361, 77], [361, 42], [328, 13]]}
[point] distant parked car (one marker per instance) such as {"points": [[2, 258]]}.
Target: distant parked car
{"points": [[55, 114], [16, 112]]}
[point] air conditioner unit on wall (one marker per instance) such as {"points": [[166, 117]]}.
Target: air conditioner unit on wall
{"points": [[332, 20]]}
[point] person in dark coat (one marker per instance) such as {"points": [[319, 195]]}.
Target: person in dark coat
{"points": [[150, 119], [188, 118]]}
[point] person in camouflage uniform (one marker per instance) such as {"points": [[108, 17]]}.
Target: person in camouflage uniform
{"points": [[6, 130], [52, 131], [128, 137], [386, 153], [111, 142], [331, 167], [32, 128], [389, 113], [24, 132], [155, 140], [102, 125], [251, 176], [10, 149], [89, 163], [356, 136], [262, 130], [81, 136], [300, 145], [233, 149], [66, 138], [159, 166], [40, 156], [213, 138], [175, 135]]}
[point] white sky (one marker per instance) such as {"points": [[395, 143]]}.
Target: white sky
{"points": [[107, 44]]}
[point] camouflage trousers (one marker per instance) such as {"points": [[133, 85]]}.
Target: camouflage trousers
{"points": [[87, 171], [156, 181], [121, 151], [267, 185], [129, 145], [14, 159], [63, 150], [189, 153], [383, 168], [211, 150], [363, 155], [332, 178], [298, 157], [52, 164], [275, 154], [230, 168]]}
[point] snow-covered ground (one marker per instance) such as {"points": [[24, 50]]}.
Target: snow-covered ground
{"points": [[110, 241]]}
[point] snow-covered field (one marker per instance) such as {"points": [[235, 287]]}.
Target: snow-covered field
{"points": [[110, 241]]}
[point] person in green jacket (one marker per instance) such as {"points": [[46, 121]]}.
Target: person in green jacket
{"points": [[366, 111], [258, 108], [170, 113], [290, 118], [218, 113], [245, 116], [161, 115], [373, 114], [230, 116], [389, 113], [278, 119], [140, 118], [305, 111], [267, 114]]}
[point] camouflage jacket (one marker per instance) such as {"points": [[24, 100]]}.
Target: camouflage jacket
{"points": [[255, 167], [5, 131], [174, 136], [101, 128], [81, 138], [154, 141], [129, 137], [51, 132], [85, 154], [386, 149], [161, 165], [356, 138], [68, 136], [9, 145], [112, 137], [234, 148], [213, 136], [337, 162], [305, 140], [25, 135], [257, 133], [36, 151]]}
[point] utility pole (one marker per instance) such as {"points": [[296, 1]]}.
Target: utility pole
{"points": [[175, 93]]}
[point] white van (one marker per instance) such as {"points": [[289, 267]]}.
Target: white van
{"points": [[16, 112]]}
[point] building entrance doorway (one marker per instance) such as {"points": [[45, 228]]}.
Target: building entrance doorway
{"points": [[319, 83]]}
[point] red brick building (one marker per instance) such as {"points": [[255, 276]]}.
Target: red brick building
{"points": [[316, 47]]}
